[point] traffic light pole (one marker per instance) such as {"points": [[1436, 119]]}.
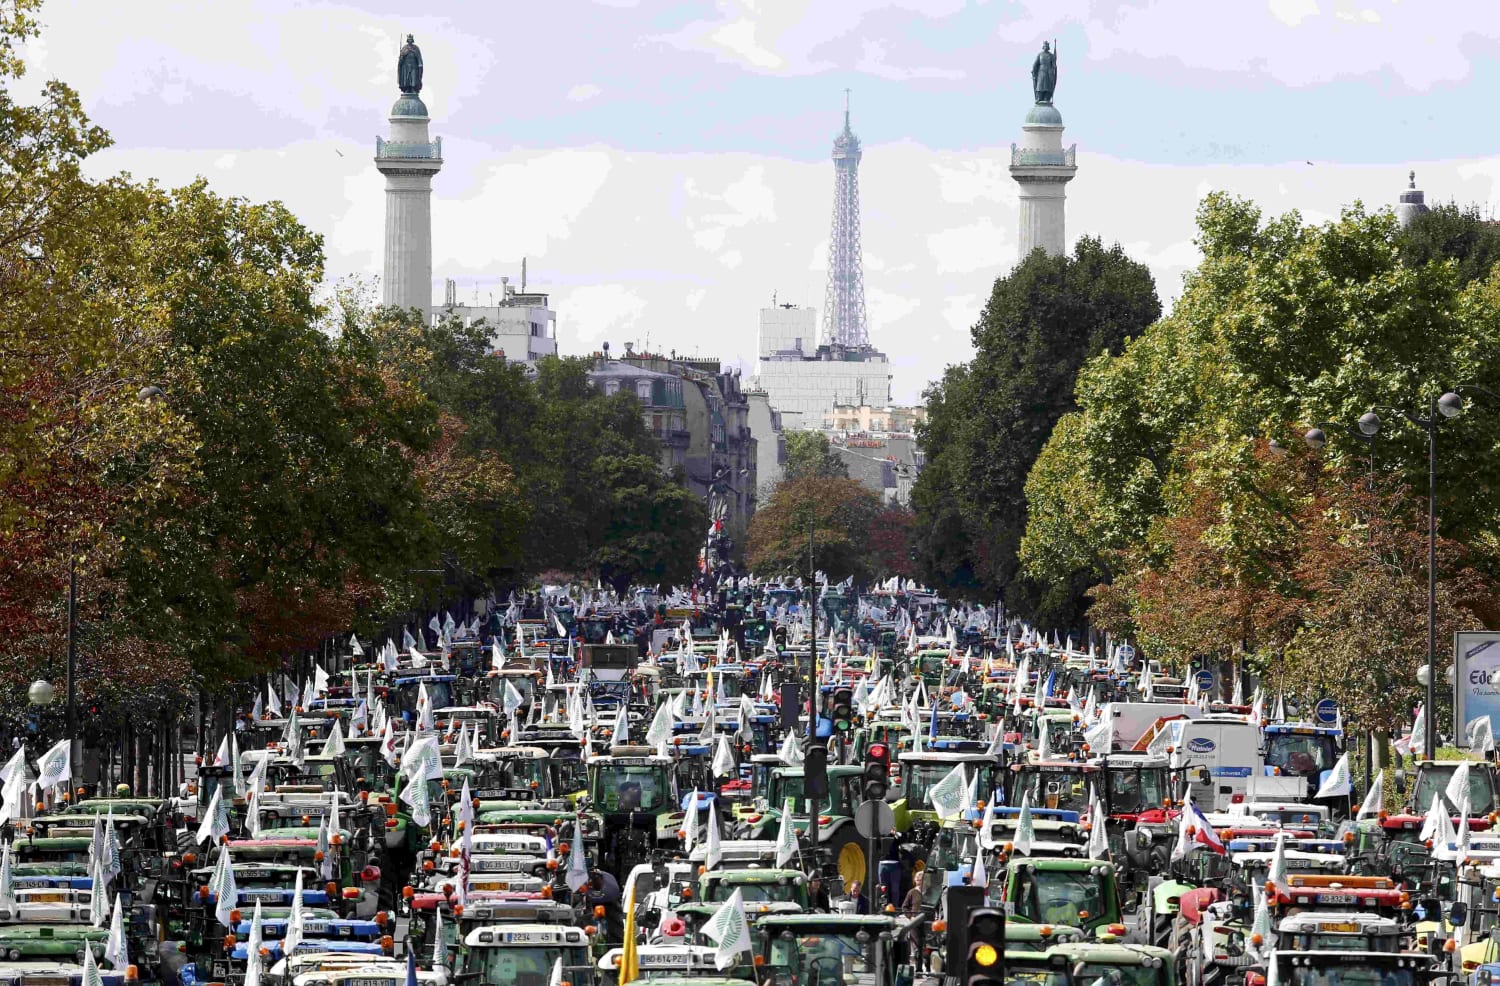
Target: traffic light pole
{"points": [[812, 685]]}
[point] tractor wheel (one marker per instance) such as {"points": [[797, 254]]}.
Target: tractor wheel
{"points": [[849, 857]]}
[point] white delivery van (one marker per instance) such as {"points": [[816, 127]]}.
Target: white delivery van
{"points": [[1215, 755], [1132, 719]]}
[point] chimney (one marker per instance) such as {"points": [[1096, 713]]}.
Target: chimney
{"points": [[523, 275]]}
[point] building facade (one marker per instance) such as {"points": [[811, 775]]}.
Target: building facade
{"points": [[770, 439], [863, 419], [522, 325], [804, 380], [700, 415]]}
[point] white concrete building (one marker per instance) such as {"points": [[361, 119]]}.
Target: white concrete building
{"points": [[408, 160], [804, 380], [522, 325]]}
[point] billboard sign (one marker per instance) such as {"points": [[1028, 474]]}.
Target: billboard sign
{"points": [[1476, 680]]}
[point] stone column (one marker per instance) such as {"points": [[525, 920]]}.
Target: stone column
{"points": [[408, 160], [1042, 169]]}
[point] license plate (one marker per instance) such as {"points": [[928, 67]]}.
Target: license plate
{"points": [[489, 885], [46, 898], [1338, 899], [262, 894], [491, 864], [1347, 926], [367, 982]]}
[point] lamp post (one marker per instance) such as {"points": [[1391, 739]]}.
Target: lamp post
{"points": [[1446, 406]]}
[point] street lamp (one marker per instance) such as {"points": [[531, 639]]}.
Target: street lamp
{"points": [[1448, 405], [41, 692]]}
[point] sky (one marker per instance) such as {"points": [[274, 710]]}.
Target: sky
{"points": [[664, 166]]}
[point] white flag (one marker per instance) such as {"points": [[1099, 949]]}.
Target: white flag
{"points": [[786, 836], [226, 892], [253, 968], [947, 795], [1025, 828], [690, 825], [728, 929], [7, 878], [15, 766], [91, 976], [273, 703], [986, 837], [1481, 735], [660, 730], [1261, 925], [1374, 798], [578, 868], [724, 764], [1337, 784], [621, 735], [513, 698], [714, 853], [335, 745], [296, 922], [978, 875], [98, 895], [56, 765], [1416, 745], [1457, 790], [216, 820], [463, 750], [114, 945], [354, 647], [1098, 832], [791, 751]]}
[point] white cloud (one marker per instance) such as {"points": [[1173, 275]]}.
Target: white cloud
{"points": [[1292, 12], [974, 246], [583, 92], [590, 315]]}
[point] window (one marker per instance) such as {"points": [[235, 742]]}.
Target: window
{"points": [[658, 393], [643, 391], [611, 387]]}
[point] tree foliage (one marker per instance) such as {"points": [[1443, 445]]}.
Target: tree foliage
{"points": [[236, 471], [1214, 541], [830, 517], [808, 453], [987, 420]]}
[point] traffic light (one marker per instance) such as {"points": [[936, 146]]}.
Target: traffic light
{"points": [[986, 953], [877, 775], [815, 771], [843, 709]]}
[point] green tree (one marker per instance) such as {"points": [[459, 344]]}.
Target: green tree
{"points": [[988, 420], [831, 516], [1451, 232], [653, 525], [809, 454], [1184, 479]]}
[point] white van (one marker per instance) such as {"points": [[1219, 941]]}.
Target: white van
{"points": [[1132, 719], [1216, 755]]}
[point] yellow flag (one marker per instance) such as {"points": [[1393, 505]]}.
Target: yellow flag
{"points": [[630, 962]]}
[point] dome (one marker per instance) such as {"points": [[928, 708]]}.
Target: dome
{"points": [[1044, 115], [410, 105]]}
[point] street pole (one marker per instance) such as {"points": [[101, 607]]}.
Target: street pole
{"points": [[812, 680], [1431, 717], [72, 710]]}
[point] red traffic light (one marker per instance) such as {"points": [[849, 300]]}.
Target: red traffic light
{"points": [[880, 752]]}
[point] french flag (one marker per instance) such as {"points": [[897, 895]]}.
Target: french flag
{"points": [[1203, 833]]}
